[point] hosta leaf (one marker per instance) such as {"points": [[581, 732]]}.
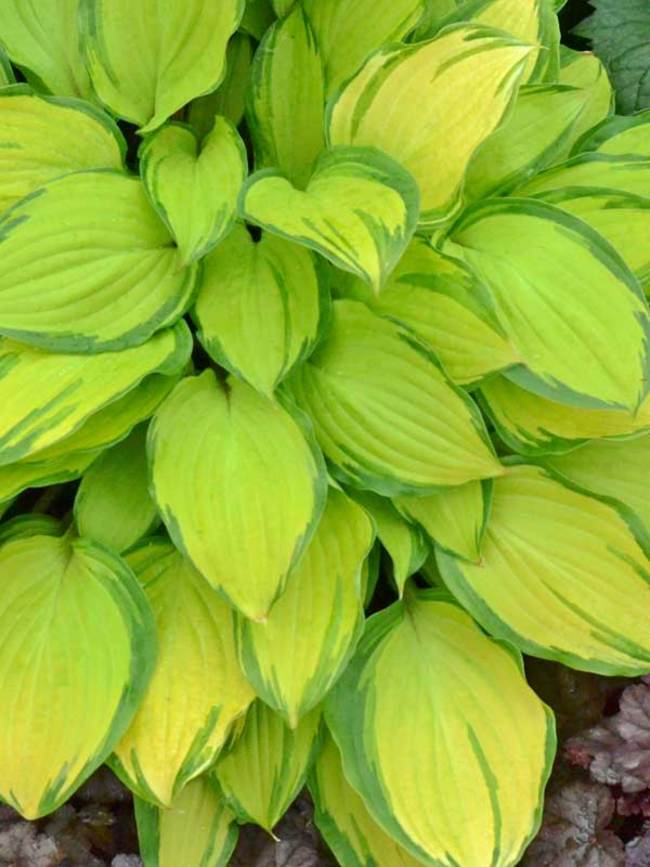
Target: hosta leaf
{"points": [[619, 136], [429, 742], [443, 303], [229, 99], [109, 281], [611, 469], [584, 70], [44, 137], [586, 171], [113, 505], [33, 524], [72, 676], [358, 194], [197, 830], [238, 485], [344, 821], [267, 765], [431, 104], [561, 575], [542, 121], [260, 306], [194, 187], [383, 412], [43, 39], [287, 99], [258, 16], [403, 541], [14, 478], [347, 31], [173, 53], [48, 397], [290, 667], [197, 690], [453, 518], [534, 425], [578, 318], [282, 7], [6, 72]]}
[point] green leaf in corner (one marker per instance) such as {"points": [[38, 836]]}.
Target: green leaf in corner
{"points": [[359, 210], [194, 187]]}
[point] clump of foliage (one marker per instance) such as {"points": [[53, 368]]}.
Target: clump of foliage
{"points": [[353, 430]]}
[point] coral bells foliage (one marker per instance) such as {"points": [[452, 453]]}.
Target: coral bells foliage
{"points": [[336, 310]]}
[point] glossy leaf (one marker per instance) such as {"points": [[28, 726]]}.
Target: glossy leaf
{"points": [[260, 306], [197, 690], [290, 667], [461, 756], [383, 412], [109, 281], [562, 575], [73, 674], [356, 193], [238, 485]]}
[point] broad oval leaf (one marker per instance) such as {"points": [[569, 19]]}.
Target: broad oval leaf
{"points": [[113, 505], [43, 39], [586, 171], [197, 690], [73, 675], [561, 575], [578, 317], [47, 398], [461, 756], [290, 667], [165, 56], [359, 194], [286, 103], [619, 136], [584, 70], [192, 186], [197, 830], [260, 307], [44, 137], [108, 281], [239, 485], [384, 414], [267, 765], [431, 104]]}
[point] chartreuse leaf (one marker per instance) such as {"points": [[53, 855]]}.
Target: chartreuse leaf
{"points": [[209, 438], [562, 575], [6, 72], [286, 104], [619, 136], [173, 54], [15, 478], [534, 425], [74, 673], [453, 518], [258, 16], [197, 830], [586, 171], [109, 281], [542, 120], [260, 306], [282, 7], [359, 210], [49, 397], [113, 505], [347, 31], [403, 541], [197, 690], [290, 667], [611, 469], [229, 99], [44, 137], [431, 104], [192, 186], [32, 524], [561, 311], [343, 819], [384, 414], [267, 765], [584, 70], [44, 40], [429, 743], [442, 302]]}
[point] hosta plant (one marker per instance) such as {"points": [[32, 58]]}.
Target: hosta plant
{"points": [[334, 312]]}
